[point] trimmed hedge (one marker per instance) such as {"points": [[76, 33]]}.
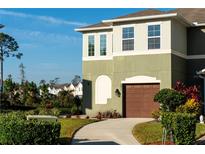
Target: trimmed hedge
{"points": [[183, 126], [16, 130]]}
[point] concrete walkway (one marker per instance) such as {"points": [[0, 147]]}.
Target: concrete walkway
{"points": [[108, 132]]}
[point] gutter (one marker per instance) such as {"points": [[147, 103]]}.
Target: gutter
{"points": [[92, 28], [198, 25]]}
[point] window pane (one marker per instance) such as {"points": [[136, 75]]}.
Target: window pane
{"points": [[128, 44], [91, 45], [157, 27], [154, 30], [154, 43], [157, 33], [102, 45], [150, 28], [128, 32], [150, 33]]}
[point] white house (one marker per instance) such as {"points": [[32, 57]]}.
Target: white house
{"points": [[76, 90]]}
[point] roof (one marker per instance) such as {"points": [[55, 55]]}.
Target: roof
{"points": [[142, 13], [101, 24], [60, 86], [190, 15]]}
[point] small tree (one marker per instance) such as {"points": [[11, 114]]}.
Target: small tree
{"points": [[169, 99], [44, 92]]}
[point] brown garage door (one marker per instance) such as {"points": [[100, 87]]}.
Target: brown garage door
{"points": [[138, 99]]}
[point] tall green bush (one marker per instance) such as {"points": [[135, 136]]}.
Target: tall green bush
{"points": [[169, 99], [16, 129], [183, 126]]}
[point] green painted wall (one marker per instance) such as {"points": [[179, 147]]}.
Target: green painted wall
{"points": [[179, 69], [118, 69], [195, 41]]}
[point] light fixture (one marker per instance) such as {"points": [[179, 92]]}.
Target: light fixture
{"points": [[117, 92]]}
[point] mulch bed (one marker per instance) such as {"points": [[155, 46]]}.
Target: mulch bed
{"points": [[160, 143]]}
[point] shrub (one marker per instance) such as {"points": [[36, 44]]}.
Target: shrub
{"points": [[191, 92], [45, 111], [108, 114], [183, 126], [74, 110], [156, 114], [64, 111], [17, 130], [191, 106], [169, 99]]}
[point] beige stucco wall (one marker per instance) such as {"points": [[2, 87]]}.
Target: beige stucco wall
{"points": [[178, 37], [141, 35], [97, 42], [114, 38]]}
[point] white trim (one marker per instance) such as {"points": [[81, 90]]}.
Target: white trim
{"points": [[198, 24], [127, 25], [92, 58], [146, 52], [94, 36], [160, 36], [140, 79], [154, 23], [92, 28], [124, 39], [142, 17]]}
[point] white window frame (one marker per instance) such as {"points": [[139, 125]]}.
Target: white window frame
{"points": [[92, 34], [106, 43], [160, 36], [128, 26]]}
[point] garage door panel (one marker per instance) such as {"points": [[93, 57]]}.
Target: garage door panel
{"points": [[139, 99]]}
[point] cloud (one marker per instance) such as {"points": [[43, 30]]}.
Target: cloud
{"points": [[43, 38], [47, 19]]}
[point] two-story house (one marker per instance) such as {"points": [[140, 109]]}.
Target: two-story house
{"points": [[127, 59]]}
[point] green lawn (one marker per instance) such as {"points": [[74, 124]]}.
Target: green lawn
{"points": [[70, 126], [151, 132]]}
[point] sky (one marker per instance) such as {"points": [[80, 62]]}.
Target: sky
{"points": [[46, 37]]}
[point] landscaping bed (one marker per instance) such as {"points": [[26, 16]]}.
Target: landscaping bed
{"points": [[70, 126], [151, 132]]}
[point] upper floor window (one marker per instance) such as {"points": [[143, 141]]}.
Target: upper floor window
{"points": [[103, 45], [128, 38], [154, 37], [91, 45]]}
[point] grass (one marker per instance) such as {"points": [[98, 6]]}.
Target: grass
{"points": [[151, 132], [70, 126]]}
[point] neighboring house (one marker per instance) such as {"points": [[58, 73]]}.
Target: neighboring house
{"points": [[78, 90], [126, 60], [75, 89]]}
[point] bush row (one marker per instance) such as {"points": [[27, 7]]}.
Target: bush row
{"points": [[16, 130], [183, 126]]}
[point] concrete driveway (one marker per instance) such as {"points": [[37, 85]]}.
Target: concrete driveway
{"points": [[109, 132]]}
